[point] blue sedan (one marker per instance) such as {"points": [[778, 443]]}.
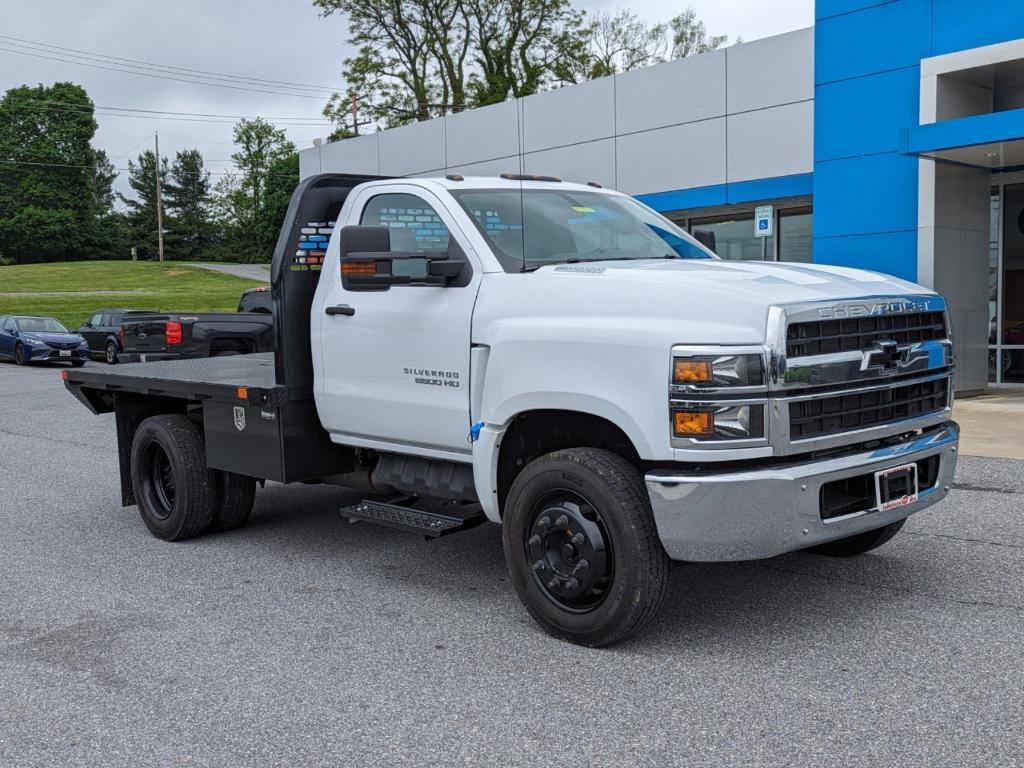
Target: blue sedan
{"points": [[30, 339]]}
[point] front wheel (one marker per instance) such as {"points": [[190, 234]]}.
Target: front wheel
{"points": [[19, 355], [859, 543], [110, 353], [582, 547]]}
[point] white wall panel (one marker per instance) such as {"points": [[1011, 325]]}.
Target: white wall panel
{"points": [[488, 167], [358, 155], [679, 157], [483, 134], [771, 142], [569, 115], [412, 148], [771, 71], [309, 162], [592, 161], [680, 91]]}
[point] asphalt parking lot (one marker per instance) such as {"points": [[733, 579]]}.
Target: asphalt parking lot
{"points": [[304, 640]]}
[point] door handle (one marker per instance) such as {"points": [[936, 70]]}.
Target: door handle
{"points": [[341, 309]]}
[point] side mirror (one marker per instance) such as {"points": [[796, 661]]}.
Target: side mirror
{"points": [[87, 324], [706, 238], [368, 263]]}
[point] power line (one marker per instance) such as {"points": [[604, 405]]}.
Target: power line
{"points": [[72, 106], [160, 77], [93, 168], [150, 64]]}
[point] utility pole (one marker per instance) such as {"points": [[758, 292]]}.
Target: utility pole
{"points": [[159, 202]]}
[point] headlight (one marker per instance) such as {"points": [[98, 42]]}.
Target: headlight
{"points": [[83, 343], [718, 371], [718, 421], [39, 342]]}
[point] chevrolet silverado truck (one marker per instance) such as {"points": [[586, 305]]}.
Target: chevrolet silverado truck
{"points": [[562, 361]]}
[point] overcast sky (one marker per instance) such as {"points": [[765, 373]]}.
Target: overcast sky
{"points": [[284, 40]]}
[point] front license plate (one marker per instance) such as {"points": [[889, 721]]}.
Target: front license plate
{"points": [[896, 486], [65, 353]]}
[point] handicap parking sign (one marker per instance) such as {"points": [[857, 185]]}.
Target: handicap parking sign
{"points": [[763, 217]]}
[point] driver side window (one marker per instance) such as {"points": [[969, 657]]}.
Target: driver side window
{"points": [[413, 224], [8, 325]]}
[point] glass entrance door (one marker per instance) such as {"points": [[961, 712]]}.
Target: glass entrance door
{"points": [[1006, 286]]}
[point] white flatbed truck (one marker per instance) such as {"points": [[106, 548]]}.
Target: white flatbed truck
{"points": [[562, 361]]}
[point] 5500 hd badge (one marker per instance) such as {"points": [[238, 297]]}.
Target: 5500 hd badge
{"points": [[433, 378]]}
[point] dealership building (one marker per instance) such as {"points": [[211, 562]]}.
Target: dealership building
{"points": [[890, 137]]}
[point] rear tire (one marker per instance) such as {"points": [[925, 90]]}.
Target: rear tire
{"points": [[584, 505], [19, 355], [235, 497], [174, 489], [860, 543], [110, 353]]}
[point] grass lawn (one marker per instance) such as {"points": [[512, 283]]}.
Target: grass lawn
{"points": [[69, 291]]}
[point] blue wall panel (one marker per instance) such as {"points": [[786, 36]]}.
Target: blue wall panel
{"points": [[959, 25], [872, 110], [876, 39], [825, 8], [886, 252], [797, 185], [875, 193]]}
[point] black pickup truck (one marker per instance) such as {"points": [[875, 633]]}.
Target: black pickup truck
{"points": [[147, 336]]}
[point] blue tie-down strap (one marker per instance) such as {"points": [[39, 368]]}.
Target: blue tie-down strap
{"points": [[309, 246], [474, 431]]}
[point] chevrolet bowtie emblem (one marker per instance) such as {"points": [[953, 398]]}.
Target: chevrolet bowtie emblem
{"points": [[885, 354]]}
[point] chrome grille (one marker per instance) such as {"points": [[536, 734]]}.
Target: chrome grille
{"points": [[832, 414], [822, 337]]}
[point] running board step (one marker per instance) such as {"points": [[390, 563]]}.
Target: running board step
{"points": [[428, 524]]}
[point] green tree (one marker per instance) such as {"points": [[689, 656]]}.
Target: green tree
{"points": [[187, 196], [622, 42], [48, 207], [110, 232], [141, 216], [281, 182], [244, 196], [690, 36]]}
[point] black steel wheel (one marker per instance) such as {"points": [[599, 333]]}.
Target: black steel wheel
{"points": [[582, 548], [570, 550], [175, 491], [110, 353], [19, 354]]}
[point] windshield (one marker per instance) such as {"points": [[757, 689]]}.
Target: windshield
{"points": [[530, 228], [40, 325]]}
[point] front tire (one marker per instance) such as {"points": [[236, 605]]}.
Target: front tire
{"points": [[860, 543], [175, 491], [582, 548], [110, 353], [19, 355]]}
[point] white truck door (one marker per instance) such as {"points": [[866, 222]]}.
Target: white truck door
{"points": [[396, 370]]}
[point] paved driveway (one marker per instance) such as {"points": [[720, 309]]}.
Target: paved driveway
{"points": [[248, 271], [305, 640]]}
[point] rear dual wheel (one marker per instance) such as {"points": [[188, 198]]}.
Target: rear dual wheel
{"points": [[177, 494]]}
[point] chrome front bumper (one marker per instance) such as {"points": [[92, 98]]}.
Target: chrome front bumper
{"points": [[758, 513]]}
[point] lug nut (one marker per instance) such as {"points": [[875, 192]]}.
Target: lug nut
{"points": [[582, 565], [562, 521], [534, 541], [540, 565], [572, 584], [578, 539], [553, 583], [544, 522]]}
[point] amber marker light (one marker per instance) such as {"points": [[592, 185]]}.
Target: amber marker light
{"points": [[243, 393], [693, 423], [359, 268], [691, 371]]}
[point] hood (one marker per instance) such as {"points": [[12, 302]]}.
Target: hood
{"points": [[661, 302], [54, 338], [755, 282]]}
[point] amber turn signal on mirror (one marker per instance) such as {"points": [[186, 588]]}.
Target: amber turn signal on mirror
{"points": [[359, 268]]}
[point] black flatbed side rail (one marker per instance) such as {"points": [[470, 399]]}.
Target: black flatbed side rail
{"points": [[238, 379]]}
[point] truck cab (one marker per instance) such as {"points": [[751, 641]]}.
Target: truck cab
{"points": [[561, 360]]}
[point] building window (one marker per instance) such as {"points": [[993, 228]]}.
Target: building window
{"points": [[795, 241], [735, 239]]}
